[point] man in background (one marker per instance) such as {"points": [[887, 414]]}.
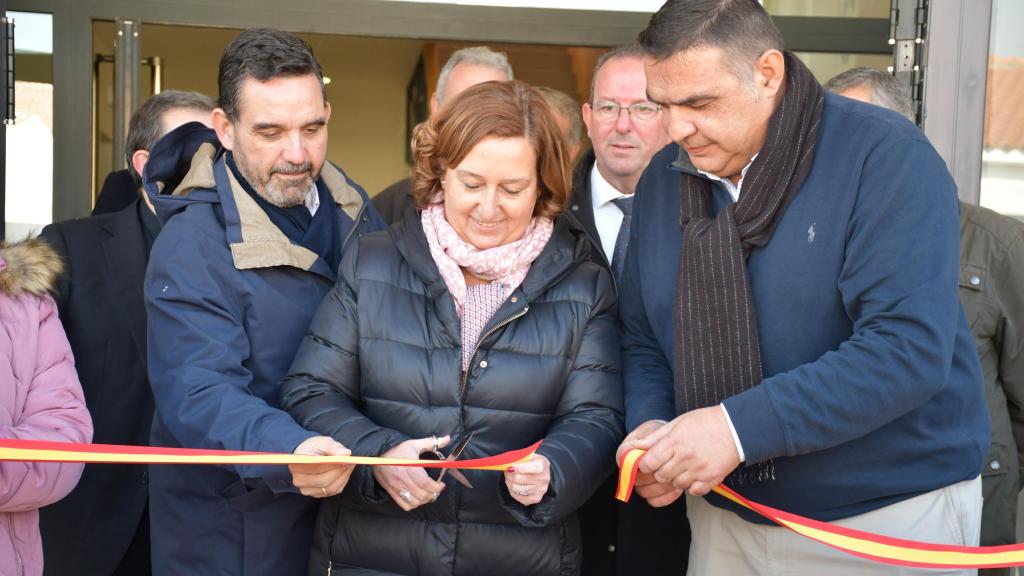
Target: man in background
{"points": [[464, 68], [992, 294], [625, 130], [567, 116], [102, 527]]}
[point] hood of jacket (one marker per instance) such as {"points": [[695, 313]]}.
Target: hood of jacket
{"points": [[182, 165], [187, 167], [29, 267]]}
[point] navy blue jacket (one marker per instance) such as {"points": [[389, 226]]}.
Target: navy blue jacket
{"points": [[872, 391], [229, 299]]}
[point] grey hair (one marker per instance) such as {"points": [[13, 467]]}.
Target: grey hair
{"points": [[477, 56], [886, 90], [564, 105], [631, 51], [145, 127]]}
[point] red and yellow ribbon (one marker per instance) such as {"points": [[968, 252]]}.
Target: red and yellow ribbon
{"points": [[42, 451], [863, 544]]}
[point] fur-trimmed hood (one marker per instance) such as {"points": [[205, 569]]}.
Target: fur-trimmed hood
{"points": [[28, 267]]}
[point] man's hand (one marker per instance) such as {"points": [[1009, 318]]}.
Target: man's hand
{"points": [[656, 494], [692, 453], [321, 480], [629, 442]]}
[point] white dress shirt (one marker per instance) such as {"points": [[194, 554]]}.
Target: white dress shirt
{"points": [[732, 189], [607, 215], [312, 201]]}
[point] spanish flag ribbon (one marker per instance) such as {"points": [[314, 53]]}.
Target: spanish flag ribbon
{"points": [[43, 451], [863, 544]]}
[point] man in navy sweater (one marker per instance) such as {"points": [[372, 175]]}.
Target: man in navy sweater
{"points": [[791, 322]]}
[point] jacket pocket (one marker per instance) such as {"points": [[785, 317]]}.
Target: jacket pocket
{"points": [[997, 462], [973, 283]]}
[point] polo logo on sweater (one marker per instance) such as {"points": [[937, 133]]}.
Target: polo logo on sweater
{"points": [[810, 233]]}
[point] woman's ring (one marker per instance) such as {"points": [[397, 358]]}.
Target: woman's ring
{"points": [[405, 495], [433, 496], [524, 491]]}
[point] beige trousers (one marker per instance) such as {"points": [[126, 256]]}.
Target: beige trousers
{"points": [[723, 544]]}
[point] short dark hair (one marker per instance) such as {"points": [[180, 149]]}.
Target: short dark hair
{"points": [[262, 54], [741, 28], [145, 126], [631, 51], [886, 90]]}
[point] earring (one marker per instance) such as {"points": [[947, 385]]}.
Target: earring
{"points": [[442, 182]]}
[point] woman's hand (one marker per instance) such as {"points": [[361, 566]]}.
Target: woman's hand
{"points": [[528, 482], [410, 487]]}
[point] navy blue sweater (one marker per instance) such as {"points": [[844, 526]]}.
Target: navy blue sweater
{"points": [[872, 391]]}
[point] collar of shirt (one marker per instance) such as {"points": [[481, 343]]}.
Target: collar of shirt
{"points": [[312, 201], [607, 215], [732, 189], [601, 191]]}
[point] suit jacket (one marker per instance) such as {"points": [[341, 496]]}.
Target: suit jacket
{"points": [[581, 203], [624, 538], [118, 192], [99, 298], [394, 200]]}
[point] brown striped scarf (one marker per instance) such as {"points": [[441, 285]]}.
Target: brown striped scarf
{"points": [[717, 353]]}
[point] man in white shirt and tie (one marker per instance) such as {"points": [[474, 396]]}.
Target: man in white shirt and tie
{"points": [[626, 131]]}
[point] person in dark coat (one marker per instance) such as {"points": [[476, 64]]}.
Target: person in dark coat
{"points": [[255, 223], [119, 190], [464, 68], [626, 130], [99, 296], [483, 316]]}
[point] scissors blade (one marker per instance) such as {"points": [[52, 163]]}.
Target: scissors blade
{"points": [[457, 474], [461, 478]]}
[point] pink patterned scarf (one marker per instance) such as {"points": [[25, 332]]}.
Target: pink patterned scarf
{"points": [[507, 264]]}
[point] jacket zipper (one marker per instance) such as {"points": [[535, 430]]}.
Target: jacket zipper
{"points": [[465, 376], [330, 556]]}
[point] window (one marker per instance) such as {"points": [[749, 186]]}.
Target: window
{"points": [[1002, 160], [29, 185]]}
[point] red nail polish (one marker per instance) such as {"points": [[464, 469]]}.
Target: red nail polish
{"points": [[511, 469]]}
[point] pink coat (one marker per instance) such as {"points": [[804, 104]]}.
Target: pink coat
{"points": [[40, 399]]}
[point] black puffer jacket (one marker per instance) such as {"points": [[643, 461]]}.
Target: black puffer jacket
{"points": [[382, 364]]}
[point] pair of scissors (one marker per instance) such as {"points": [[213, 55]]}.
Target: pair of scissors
{"points": [[452, 456]]}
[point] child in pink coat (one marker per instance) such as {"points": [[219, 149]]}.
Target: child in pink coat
{"points": [[40, 399]]}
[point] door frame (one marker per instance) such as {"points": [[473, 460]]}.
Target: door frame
{"points": [[72, 46]]}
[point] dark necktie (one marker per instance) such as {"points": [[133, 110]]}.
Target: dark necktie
{"points": [[625, 203]]}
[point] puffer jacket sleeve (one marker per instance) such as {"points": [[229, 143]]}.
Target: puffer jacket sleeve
{"points": [[54, 410], [588, 423], [322, 388]]}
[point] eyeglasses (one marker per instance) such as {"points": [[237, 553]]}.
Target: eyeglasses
{"points": [[640, 111]]}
